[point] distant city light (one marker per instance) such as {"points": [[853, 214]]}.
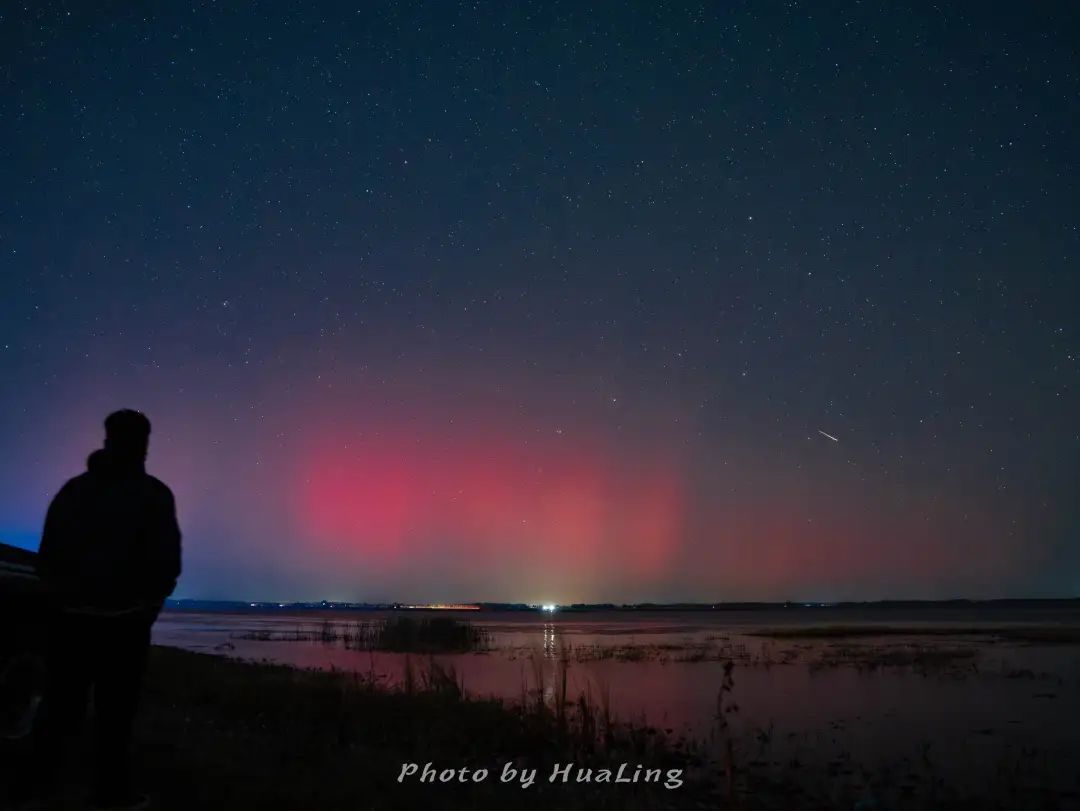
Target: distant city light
{"points": [[549, 607]]}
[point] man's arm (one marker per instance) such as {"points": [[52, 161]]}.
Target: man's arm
{"points": [[57, 538], [167, 543]]}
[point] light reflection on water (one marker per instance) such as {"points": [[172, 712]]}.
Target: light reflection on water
{"points": [[975, 705], [549, 640]]}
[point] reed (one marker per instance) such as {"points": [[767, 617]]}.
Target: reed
{"points": [[400, 633]]}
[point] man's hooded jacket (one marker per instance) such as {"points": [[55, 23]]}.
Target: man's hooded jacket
{"points": [[111, 539]]}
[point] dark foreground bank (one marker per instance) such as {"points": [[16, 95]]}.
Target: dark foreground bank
{"points": [[216, 733]]}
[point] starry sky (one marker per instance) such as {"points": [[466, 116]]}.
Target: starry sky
{"points": [[555, 301]]}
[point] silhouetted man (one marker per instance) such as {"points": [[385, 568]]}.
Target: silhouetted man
{"points": [[110, 555]]}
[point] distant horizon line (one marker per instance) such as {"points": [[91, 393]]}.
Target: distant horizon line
{"points": [[686, 605]]}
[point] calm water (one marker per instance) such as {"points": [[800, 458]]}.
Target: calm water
{"points": [[968, 708]]}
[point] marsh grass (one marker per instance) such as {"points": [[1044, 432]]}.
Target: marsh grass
{"points": [[400, 633], [422, 634], [1045, 634], [215, 733], [920, 658], [725, 706], [220, 733], [657, 652]]}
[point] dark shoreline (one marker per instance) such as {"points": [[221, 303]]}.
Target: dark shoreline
{"points": [[221, 733]]}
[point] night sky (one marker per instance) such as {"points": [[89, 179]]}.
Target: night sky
{"points": [[540, 302]]}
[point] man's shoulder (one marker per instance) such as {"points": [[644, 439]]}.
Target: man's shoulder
{"points": [[72, 493], [158, 487], [74, 483]]}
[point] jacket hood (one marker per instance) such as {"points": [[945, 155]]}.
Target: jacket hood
{"points": [[105, 463]]}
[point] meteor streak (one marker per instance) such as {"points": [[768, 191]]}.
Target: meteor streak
{"points": [[828, 436]]}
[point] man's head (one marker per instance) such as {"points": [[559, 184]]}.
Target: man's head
{"points": [[127, 435]]}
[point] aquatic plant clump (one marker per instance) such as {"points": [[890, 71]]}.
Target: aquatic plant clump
{"points": [[425, 635], [399, 634]]}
